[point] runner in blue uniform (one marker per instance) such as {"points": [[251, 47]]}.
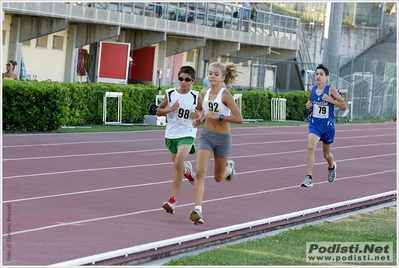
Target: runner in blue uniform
{"points": [[322, 98]]}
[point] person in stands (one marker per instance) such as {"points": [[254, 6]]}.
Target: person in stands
{"points": [[191, 15], [180, 13], [9, 74]]}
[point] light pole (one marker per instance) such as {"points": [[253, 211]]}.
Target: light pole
{"points": [[332, 46], [130, 68], [159, 74]]}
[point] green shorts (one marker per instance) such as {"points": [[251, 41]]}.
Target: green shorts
{"points": [[173, 144]]}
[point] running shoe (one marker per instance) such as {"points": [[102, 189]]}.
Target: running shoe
{"points": [[307, 182], [196, 216], [230, 164], [332, 173], [170, 205], [189, 174]]}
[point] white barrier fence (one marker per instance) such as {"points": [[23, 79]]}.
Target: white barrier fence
{"points": [[112, 95], [238, 100], [278, 109]]}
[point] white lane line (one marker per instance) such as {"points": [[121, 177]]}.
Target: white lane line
{"points": [[83, 170], [156, 183], [155, 150], [144, 165], [183, 205], [11, 136], [86, 192], [375, 126], [82, 155], [79, 142], [162, 138]]}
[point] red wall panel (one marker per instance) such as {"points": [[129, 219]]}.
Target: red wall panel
{"points": [[142, 67], [113, 60]]}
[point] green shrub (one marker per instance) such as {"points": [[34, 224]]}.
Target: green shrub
{"points": [[296, 101], [256, 104], [46, 106], [29, 106]]}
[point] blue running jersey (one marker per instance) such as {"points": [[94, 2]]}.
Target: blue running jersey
{"points": [[322, 117]]}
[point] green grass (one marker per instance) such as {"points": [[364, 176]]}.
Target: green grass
{"points": [[289, 248], [111, 128]]}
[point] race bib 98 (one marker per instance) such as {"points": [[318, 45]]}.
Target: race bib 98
{"points": [[183, 116]]}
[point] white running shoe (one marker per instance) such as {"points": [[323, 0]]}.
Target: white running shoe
{"points": [[190, 175], [196, 216], [307, 182], [332, 173], [230, 164]]}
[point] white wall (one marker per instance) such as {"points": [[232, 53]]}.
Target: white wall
{"points": [[45, 63]]}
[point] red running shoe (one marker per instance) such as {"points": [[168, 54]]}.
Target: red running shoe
{"points": [[189, 174], [170, 205]]}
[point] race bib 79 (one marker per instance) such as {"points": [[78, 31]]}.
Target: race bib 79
{"points": [[320, 111]]}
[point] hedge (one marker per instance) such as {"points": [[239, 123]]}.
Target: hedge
{"points": [[46, 106]]}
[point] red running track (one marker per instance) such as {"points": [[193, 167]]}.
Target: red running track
{"points": [[67, 196]]}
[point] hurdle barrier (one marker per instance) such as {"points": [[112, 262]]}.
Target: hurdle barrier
{"points": [[278, 109], [112, 95], [238, 100]]}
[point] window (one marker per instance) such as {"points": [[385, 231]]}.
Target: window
{"points": [[4, 37], [26, 43], [42, 41], [190, 55], [58, 42]]}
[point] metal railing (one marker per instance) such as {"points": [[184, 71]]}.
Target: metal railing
{"points": [[304, 58], [371, 86], [212, 14]]}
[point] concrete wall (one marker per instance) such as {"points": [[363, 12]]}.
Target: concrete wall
{"points": [[354, 40], [6, 26]]}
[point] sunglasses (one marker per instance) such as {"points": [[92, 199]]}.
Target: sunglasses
{"points": [[187, 79], [8, 65]]}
